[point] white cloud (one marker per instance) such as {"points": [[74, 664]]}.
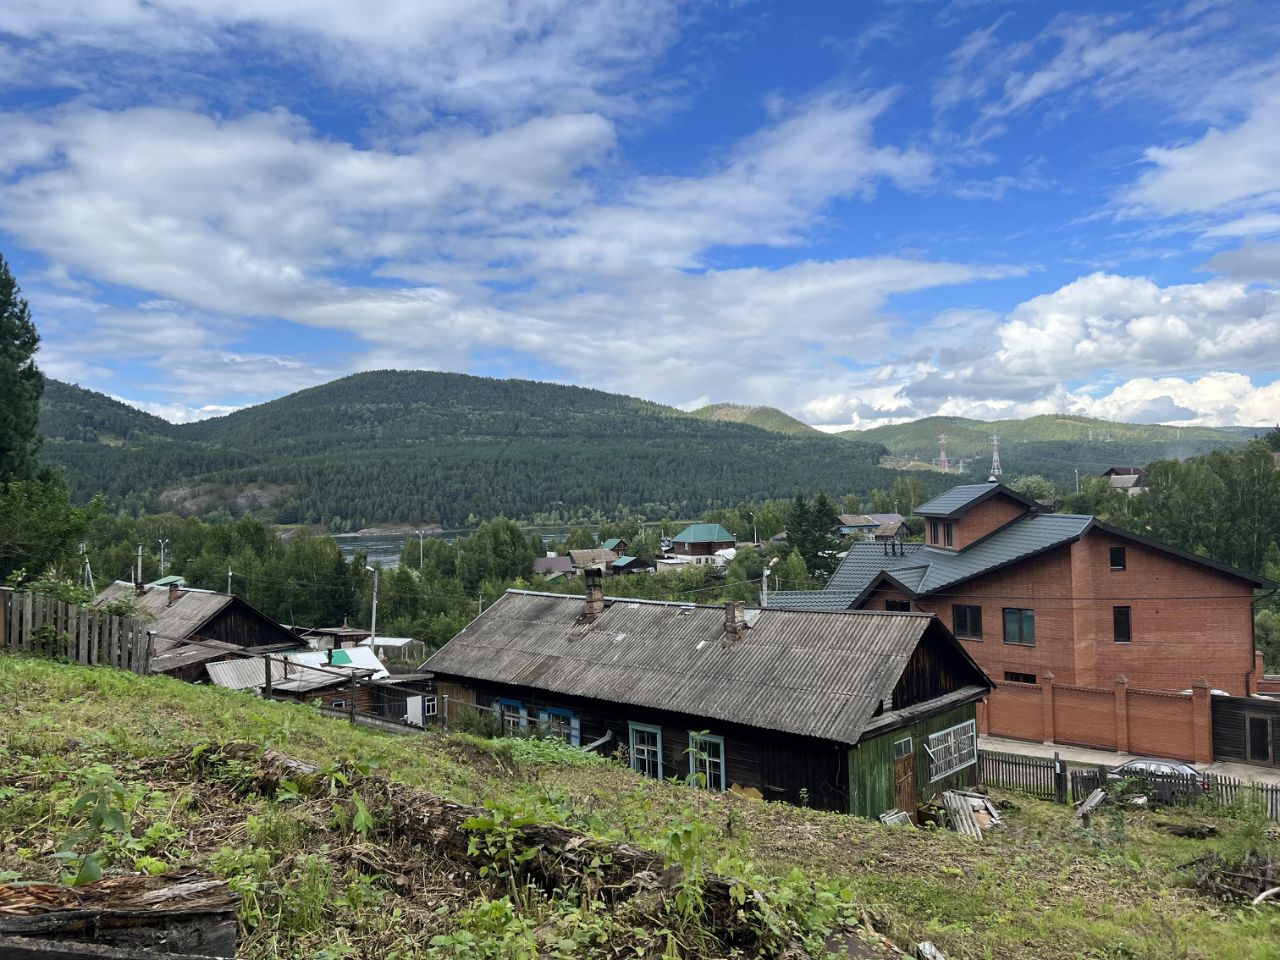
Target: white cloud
{"points": [[179, 412]]}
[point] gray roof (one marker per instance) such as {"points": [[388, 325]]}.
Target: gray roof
{"points": [[596, 557], [174, 623], [959, 499], [553, 565], [808, 673], [246, 673], [813, 599], [924, 570]]}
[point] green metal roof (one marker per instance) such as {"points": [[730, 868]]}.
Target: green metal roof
{"points": [[611, 543], [623, 561], [704, 533]]}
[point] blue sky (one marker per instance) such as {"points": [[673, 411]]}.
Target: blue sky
{"points": [[857, 212]]}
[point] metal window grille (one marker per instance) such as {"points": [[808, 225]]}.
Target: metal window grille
{"points": [[952, 749]]}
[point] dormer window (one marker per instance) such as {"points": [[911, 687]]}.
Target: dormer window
{"points": [[933, 531], [948, 531]]}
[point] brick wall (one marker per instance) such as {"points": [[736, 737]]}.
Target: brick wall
{"points": [[984, 519], [1084, 716], [1014, 710], [1160, 724]]}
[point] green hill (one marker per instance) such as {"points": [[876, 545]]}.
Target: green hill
{"points": [[1052, 445], [766, 418], [397, 446]]}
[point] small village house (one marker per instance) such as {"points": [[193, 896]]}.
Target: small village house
{"points": [[861, 713], [591, 559], [616, 544], [190, 627], [854, 525], [1130, 480], [699, 543], [553, 567]]}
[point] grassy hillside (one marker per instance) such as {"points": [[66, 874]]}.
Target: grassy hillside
{"points": [[395, 446], [766, 418], [323, 876]]}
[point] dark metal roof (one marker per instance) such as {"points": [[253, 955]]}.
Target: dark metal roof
{"points": [[813, 599], [809, 673], [959, 499]]}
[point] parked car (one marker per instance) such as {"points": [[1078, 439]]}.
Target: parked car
{"points": [[1168, 781]]}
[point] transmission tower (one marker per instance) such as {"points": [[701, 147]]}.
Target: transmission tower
{"points": [[995, 455], [942, 453]]}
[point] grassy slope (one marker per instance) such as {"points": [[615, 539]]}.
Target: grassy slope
{"points": [[766, 418], [1040, 888]]}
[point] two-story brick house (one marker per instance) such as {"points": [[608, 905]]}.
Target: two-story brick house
{"points": [[1035, 595]]}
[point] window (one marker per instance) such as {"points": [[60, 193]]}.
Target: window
{"points": [[646, 750], [428, 706], [948, 529], [338, 704], [901, 606], [706, 760], [967, 620], [902, 748], [1013, 677], [1117, 558], [558, 722], [512, 715], [1020, 626], [1120, 624], [933, 531], [952, 749]]}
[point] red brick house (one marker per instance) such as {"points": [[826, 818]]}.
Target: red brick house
{"points": [[1057, 598]]}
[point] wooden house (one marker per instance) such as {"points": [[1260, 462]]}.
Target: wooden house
{"points": [[860, 713], [701, 541], [190, 628]]}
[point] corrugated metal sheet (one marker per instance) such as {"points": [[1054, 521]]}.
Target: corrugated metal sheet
{"points": [[809, 673], [960, 498], [812, 599], [246, 673]]}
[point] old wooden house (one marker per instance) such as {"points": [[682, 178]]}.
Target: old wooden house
{"points": [[856, 712], [190, 628]]}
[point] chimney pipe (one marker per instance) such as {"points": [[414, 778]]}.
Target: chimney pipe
{"points": [[735, 622], [139, 588], [595, 593], [173, 594]]}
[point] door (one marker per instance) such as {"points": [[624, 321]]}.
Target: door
{"points": [[1258, 738], [904, 779]]}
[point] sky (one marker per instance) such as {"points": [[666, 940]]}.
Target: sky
{"points": [[860, 213]]}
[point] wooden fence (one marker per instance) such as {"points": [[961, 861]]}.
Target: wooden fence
{"points": [[1036, 776], [52, 628]]}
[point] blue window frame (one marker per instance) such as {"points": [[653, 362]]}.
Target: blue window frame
{"points": [[512, 716], [646, 749], [559, 722], [706, 760]]}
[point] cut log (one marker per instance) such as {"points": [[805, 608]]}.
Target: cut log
{"points": [[1199, 831], [1091, 803]]}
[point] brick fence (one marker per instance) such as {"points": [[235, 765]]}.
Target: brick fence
{"points": [[1153, 722]]}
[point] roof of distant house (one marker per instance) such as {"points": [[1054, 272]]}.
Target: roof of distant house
{"points": [[704, 533], [598, 557], [814, 674], [856, 520], [624, 561], [545, 565], [612, 543]]}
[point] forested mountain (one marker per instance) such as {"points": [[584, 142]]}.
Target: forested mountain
{"points": [[766, 418], [393, 446], [1052, 446]]}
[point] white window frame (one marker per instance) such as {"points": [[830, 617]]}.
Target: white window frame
{"points": [[908, 752], [632, 729], [428, 706], [948, 752], [697, 755]]}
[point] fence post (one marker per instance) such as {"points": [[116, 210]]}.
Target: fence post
{"points": [[266, 686], [1059, 779], [1122, 713], [446, 711], [355, 689], [26, 621], [1046, 706]]}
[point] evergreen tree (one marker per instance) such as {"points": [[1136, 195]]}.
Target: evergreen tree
{"points": [[21, 382]]}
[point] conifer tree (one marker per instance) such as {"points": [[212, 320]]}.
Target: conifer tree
{"points": [[21, 382]]}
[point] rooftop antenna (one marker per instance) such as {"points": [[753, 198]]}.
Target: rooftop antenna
{"points": [[995, 455], [942, 452]]}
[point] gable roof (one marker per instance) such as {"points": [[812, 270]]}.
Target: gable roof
{"points": [[581, 559], [704, 533], [612, 543], [958, 500], [856, 520], [813, 674], [553, 565], [171, 623]]}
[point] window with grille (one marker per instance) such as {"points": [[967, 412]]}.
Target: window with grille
{"points": [[646, 750], [1020, 626], [952, 749], [706, 760], [967, 620]]}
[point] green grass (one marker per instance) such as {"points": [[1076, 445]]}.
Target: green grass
{"points": [[319, 879]]}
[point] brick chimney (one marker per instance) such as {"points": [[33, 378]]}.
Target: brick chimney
{"points": [[173, 594], [595, 594], [735, 622]]}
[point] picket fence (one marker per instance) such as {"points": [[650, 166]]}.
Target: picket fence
{"points": [[53, 628]]}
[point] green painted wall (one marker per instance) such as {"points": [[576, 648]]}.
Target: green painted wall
{"points": [[871, 790]]}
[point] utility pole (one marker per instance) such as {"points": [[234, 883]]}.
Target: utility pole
{"points": [[163, 544], [764, 583], [479, 603], [943, 465], [995, 455], [421, 534], [228, 579], [137, 577], [1077, 469], [373, 620]]}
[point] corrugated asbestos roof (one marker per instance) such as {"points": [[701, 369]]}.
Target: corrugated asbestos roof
{"points": [[171, 623], [704, 533], [807, 673], [247, 673]]}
